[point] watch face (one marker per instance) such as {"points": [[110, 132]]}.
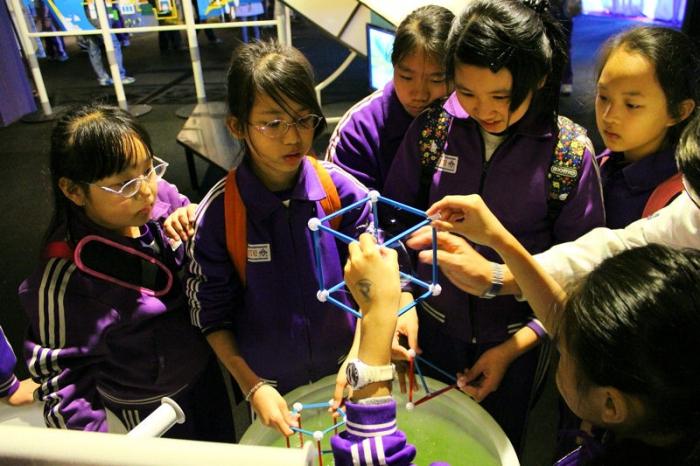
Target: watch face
{"points": [[352, 374]]}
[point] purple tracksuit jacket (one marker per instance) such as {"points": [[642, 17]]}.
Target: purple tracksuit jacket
{"points": [[456, 328], [93, 344], [627, 186], [514, 185], [8, 382], [283, 332], [366, 139]]}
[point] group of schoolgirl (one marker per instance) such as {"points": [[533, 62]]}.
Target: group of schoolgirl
{"points": [[498, 135], [115, 334]]}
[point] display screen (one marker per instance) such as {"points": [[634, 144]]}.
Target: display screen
{"points": [[380, 42]]}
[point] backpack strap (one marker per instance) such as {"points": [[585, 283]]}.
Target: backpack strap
{"points": [[236, 219], [663, 194], [431, 146], [57, 249], [567, 162], [330, 203]]}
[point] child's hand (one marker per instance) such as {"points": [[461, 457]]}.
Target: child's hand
{"points": [[273, 410], [179, 226], [407, 330], [24, 394], [459, 262], [469, 217], [372, 275], [485, 375]]}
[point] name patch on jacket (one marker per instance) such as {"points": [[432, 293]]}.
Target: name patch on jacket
{"points": [[447, 163], [259, 253]]}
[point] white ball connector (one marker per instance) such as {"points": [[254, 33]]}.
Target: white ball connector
{"points": [[318, 435], [412, 353], [410, 406], [322, 295], [298, 407], [373, 195], [313, 224], [436, 289], [330, 402]]}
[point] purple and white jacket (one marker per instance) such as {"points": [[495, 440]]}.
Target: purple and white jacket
{"points": [[366, 139], [283, 332], [514, 185], [94, 344], [8, 382]]}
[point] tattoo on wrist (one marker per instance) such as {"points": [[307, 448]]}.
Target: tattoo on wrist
{"points": [[365, 287]]}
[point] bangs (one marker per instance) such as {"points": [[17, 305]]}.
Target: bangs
{"points": [[105, 150]]}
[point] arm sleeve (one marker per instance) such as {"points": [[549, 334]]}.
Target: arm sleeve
{"points": [[168, 193], [584, 210], [8, 382], [65, 346], [371, 437], [403, 180], [212, 285], [677, 225], [355, 148]]}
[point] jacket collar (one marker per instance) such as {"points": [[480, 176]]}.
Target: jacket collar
{"points": [[261, 202]]}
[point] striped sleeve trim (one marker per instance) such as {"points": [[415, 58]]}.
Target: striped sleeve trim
{"points": [[369, 452], [195, 277], [335, 137], [6, 388], [370, 430]]}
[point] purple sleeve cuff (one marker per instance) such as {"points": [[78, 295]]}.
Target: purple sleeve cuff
{"points": [[9, 386], [536, 326], [371, 437]]}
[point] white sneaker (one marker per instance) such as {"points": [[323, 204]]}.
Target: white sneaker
{"points": [[128, 80], [567, 89]]}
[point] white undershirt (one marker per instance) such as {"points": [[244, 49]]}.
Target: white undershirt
{"points": [[491, 142]]}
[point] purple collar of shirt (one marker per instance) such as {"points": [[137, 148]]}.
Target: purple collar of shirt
{"points": [[531, 125], [262, 202], [647, 173]]}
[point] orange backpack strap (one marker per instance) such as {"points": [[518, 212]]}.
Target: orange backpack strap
{"points": [[330, 203], [235, 218], [664, 194]]}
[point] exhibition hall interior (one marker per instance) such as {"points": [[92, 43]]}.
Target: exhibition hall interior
{"points": [[163, 66]]}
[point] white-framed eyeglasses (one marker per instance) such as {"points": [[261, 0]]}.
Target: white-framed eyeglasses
{"points": [[131, 187], [275, 129]]}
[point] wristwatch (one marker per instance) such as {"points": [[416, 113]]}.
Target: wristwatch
{"points": [[360, 374]]}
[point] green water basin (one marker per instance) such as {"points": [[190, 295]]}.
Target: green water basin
{"points": [[451, 427]]}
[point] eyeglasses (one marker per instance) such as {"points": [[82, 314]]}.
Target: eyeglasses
{"points": [[275, 129], [130, 188]]}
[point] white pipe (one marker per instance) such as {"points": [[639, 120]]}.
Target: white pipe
{"points": [[194, 53], [58, 447], [159, 421], [109, 49], [173, 27], [15, 12], [334, 75]]}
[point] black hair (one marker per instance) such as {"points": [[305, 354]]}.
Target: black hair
{"points": [[276, 70], [88, 143], [632, 324], [688, 152], [676, 63], [425, 29], [520, 36]]}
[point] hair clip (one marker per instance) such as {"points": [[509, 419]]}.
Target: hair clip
{"points": [[501, 59], [538, 6]]}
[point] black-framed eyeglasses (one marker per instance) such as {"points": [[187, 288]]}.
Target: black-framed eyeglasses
{"points": [[275, 129], [131, 187]]}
